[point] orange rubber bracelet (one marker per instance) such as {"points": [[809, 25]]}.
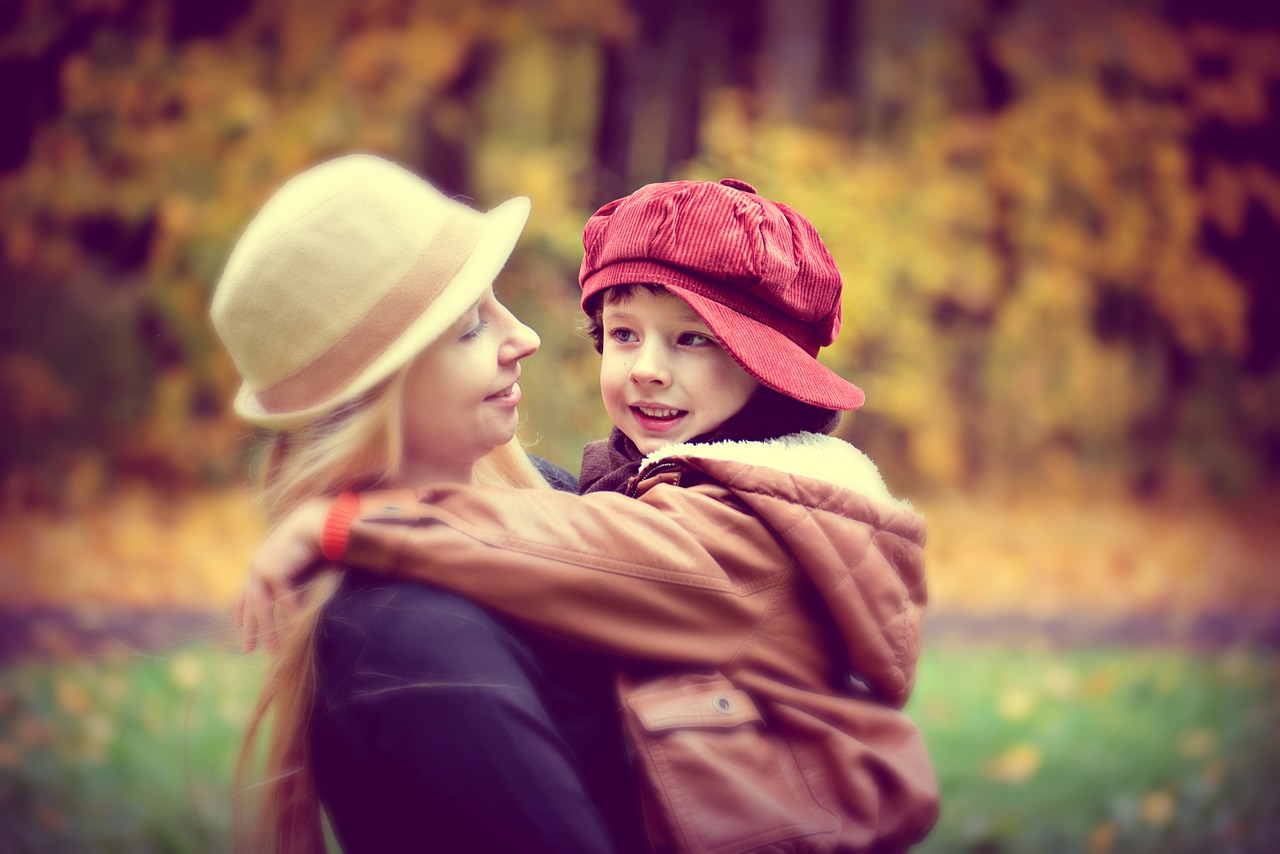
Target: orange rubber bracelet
{"points": [[337, 525]]}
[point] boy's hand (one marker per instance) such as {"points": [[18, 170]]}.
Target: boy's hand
{"points": [[277, 568]]}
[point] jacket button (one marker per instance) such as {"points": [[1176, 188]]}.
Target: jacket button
{"points": [[723, 704]]}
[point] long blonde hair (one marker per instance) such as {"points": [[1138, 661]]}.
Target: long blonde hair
{"points": [[360, 446]]}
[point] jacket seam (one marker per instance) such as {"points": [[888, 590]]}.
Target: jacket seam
{"points": [[788, 574], [851, 575], [605, 563]]}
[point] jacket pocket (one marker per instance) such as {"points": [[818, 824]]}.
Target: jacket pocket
{"points": [[714, 779]]}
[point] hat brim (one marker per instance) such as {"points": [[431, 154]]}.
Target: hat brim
{"points": [[773, 359], [769, 356], [501, 230]]}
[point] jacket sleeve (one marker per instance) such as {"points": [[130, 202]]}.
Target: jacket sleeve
{"points": [[677, 575]]}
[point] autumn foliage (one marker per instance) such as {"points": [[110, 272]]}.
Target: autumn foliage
{"points": [[1053, 217], [1057, 223]]}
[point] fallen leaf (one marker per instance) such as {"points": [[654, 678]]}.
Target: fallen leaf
{"points": [[71, 697], [1102, 839], [1016, 703], [1197, 742], [186, 672], [1158, 807], [1016, 765]]}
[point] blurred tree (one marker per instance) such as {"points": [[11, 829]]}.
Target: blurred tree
{"points": [[653, 77], [790, 58], [1055, 218], [154, 132], [1022, 223]]}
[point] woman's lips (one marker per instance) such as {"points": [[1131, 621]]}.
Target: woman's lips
{"points": [[509, 395]]}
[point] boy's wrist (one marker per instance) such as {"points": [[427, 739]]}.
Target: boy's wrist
{"points": [[337, 525]]}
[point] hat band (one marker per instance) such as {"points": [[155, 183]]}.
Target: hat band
{"points": [[390, 317]]}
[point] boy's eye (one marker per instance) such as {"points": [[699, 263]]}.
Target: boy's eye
{"points": [[695, 339], [622, 335]]}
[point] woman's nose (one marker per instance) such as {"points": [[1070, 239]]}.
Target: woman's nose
{"points": [[521, 341]]}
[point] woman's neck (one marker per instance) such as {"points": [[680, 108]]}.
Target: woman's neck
{"points": [[414, 476]]}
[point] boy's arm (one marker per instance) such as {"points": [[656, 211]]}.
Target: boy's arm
{"points": [[677, 575]]}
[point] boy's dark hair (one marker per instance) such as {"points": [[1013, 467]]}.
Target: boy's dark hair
{"points": [[594, 323]]}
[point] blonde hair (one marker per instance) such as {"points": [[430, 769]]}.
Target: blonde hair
{"points": [[359, 446]]}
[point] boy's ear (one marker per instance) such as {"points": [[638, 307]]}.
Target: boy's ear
{"points": [[594, 329], [593, 323]]}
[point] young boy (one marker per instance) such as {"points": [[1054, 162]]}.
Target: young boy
{"points": [[757, 583]]}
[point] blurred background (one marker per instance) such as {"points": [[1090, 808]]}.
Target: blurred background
{"points": [[1057, 222]]}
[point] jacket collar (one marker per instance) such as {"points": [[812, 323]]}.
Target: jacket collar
{"points": [[812, 455]]}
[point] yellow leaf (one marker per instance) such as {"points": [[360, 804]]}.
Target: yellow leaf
{"points": [[1061, 682], [1102, 839], [1196, 742], [186, 672], [99, 732], [71, 697], [1100, 684], [1016, 765], [1158, 807], [1016, 704]]}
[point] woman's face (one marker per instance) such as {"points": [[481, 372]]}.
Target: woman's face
{"points": [[460, 393]]}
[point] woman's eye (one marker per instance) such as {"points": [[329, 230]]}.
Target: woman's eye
{"points": [[474, 332]]}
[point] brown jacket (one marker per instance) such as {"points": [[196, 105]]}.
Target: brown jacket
{"points": [[773, 593]]}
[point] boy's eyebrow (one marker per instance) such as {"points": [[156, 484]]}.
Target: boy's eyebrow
{"points": [[689, 316], [611, 313]]}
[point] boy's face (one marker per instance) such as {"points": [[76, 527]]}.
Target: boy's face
{"points": [[663, 376]]}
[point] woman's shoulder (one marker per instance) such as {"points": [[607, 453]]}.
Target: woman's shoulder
{"points": [[559, 478]]}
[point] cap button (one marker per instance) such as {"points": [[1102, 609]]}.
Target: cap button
{"points": [[738, 185]]}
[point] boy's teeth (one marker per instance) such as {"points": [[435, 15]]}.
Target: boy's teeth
{"points": [[659, 413]]}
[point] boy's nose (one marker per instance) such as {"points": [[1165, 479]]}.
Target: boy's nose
{"points": [[650, 367]]}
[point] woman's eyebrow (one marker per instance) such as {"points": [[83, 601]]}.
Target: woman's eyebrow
{"points": [[464, 320]]}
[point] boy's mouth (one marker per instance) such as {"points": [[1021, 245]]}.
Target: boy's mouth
{"points": [[658, 418]]}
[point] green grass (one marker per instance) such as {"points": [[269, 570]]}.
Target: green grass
{"points": [[1037, 751], [1125, 751], [122, 753]]}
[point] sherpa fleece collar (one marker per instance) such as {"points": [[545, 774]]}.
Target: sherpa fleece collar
{"points": [[812, 455]]}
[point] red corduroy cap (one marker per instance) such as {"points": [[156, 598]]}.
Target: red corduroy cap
{"points": [[754, 270]]}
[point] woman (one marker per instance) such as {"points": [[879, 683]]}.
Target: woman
{"points": [[358, 307]]}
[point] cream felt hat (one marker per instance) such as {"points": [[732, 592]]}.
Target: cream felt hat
{"points": [[346, 273]]}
